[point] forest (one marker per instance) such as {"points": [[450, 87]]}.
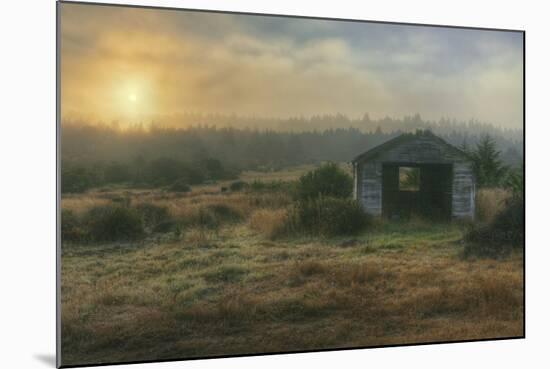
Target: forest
{"points": [[210, 150]]}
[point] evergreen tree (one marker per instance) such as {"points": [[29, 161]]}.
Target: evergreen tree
{"points": [[487, 166]]}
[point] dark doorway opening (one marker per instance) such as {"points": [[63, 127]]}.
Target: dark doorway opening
{"points": [[410, 189]]}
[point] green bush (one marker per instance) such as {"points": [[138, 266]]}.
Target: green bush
{"points": [[206, 219], [238, 186], [180, 186], [116, 173], [213, 168], [328, 216], [329, 180], [163, 171], [114, 223], [514, 181], [502, 235], [77, 179], [511, 222], [156, 218], [193, 175]]}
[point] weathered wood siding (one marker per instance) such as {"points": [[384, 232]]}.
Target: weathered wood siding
{"points": [[463, 191], [371, 188], [357, 182]]}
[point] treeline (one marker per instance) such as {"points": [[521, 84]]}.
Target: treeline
{"points": [[443, 126], [94, 155], [251, 148]]}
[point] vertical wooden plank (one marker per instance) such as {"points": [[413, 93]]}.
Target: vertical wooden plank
{"points": [[463, 200], [355, 181], [371, 188]]}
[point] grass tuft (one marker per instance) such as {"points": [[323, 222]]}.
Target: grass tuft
{"points": [[270, 222], [225, 274]]}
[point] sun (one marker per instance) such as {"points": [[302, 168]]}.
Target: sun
{"points": [[131, 100]]}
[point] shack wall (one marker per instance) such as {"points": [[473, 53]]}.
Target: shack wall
{"points": [[463, 200], [371, 188], [422, 149]]}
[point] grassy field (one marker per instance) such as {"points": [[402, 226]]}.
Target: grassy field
{"points": [[236, 288]]}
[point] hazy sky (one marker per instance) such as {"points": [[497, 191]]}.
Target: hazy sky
{"points": [[131, 64]]}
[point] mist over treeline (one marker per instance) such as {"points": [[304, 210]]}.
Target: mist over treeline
{"points": [[239, 142], [313, 123]]}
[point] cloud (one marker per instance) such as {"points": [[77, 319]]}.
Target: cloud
{"points": [[224, 63]]}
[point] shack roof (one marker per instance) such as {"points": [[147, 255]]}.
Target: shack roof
{"points": [[406, 138]]}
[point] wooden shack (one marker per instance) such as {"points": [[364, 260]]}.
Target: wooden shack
{"points": [[415, 173]]}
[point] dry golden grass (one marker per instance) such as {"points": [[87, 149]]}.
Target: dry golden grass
{"points": [[80, 204], [288, 174], [489, 202], [269, 222], [229, 290], [198, 237], [187, 207]]}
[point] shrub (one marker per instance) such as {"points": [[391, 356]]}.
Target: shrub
{"points": [[114, 223], [503, 234], [157, 218], [225, 213], [71, 227], [483, 241], [193, 175], [328, 216], [514, 181], [164, 171], [511, 223], [213, 168], [180, 186], [77, 179], [212, 216], [238, 186], [168, 226], [116, 173], [329, 180], [205, 219]]}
